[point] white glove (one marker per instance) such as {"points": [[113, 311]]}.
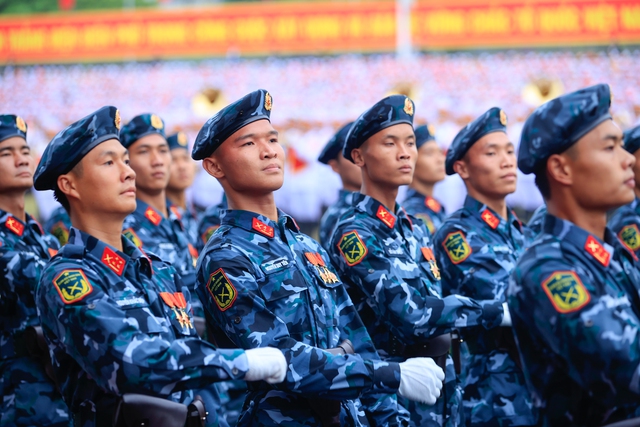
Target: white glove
{"points": [[421, 380], [266, 364], [506, 319]]}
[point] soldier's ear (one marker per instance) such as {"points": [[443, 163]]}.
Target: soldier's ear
{"points": [[334, 165], [356, 155], [67, 185], [212, 166], [559, 168], [460, 167]]}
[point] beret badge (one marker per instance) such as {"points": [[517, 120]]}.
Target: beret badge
{"points": [[268, 102], [503, 118], [117, 120], [22, 126], [182, 139], [156, 122], [408, 106]]}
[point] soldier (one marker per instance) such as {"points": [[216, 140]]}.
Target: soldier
{"points": [[181, 175], [59, 224], [477, 248], [118, 321], [419, 200], [210, 222], [29, 396], [535, 222], [264, 283], [349, 175], [625, 221], [574, 293], [386, 259]]}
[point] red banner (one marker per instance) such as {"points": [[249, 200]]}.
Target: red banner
{"points": [[312, 28]]}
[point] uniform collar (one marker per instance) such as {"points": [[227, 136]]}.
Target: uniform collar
{"points": [[381, 213], [256, 223], [344, 196], [491, 217], [151, 214], [17, 227], [431, 203]]}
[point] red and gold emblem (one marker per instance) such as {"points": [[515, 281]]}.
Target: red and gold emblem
{"points": [[21, 125], [117, 120], [408, 106], [156, 122], [268, 102]]}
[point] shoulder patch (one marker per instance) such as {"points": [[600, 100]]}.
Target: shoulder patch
{"points": [[432, 204], [61, 232], [261, 227], [386, 217], [14, 225], [131, 235], [596, 250], [352, 248], [72, 285], [457, 247], [490, 219], [427, 221], [222, 290], [630, 237], [208, 233], [153, 216], [566, 291], [112, 260]]}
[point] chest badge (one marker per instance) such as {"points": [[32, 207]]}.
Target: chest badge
{"points": [[596, 250], [261, 227], [222, 291], [325, 274], [352, 248], [630, 237], [490, 219], [177, 302], [566, 291], [386, 217], [427, 253], [457, 247]]}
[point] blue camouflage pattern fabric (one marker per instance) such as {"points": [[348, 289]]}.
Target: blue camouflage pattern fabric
{"points": [[330, 218], [425, 208], [119, 322], [189, 222], [59, 225], [477, 250], [29, 396], [576, 316], [165, 237], [210, 222], [535, 222], [625, 223], [264, 283], [387, 263]]}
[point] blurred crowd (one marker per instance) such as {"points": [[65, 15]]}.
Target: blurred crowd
{"points": [[313, 97]]}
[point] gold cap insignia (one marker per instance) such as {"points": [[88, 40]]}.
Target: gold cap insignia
{"points": [[182, 139], [22, 126], [408, 106], [503, 118], [432, 130], [268, 102], [117, 120], [156, 122]]}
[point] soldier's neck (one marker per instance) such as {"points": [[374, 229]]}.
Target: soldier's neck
{"points": [[424, 188], [157, 200], [385, 195], [105, 229], [13, 202], [177, 197], [264, 204], [497, 204], [590, 220], [349, 187]]}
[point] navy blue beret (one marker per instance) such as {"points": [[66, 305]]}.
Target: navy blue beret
{"points": [[424, 134], [139, 126], [178, 140], [69, 146], [248, 109], [12, 125], [335, 145], [632, 139], [494, 120], [391, 111], [558, 124]]}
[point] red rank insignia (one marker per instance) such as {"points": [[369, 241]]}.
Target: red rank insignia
{"points": [[175, 211], [262, 228], [490, 219], [14, 225], [386, 217], [113, 261], [596, 250], [153, 216], [432, 204]]}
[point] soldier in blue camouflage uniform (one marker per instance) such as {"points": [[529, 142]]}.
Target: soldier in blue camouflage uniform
{"points": [[535, 222], [266, 284], [351, 180], [117, 320], [29, 396], [182, 173], [477, 248], [386, 259], [58, 225], [153, 226], [419, 201], [210, 222], [625, 221], [574, 293]]}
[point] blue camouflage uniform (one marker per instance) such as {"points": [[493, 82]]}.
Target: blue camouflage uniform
{"points": [[164, 235], [59, 225], [574, 297], [425, 208], [477, 249], [625, 221], [264, 283], [535, 222], [329, 219], [209, 222], [386, 260], [118, 321]]}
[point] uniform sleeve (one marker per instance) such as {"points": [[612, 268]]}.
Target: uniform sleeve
{"points": [[228, 288], [125, 350], [586, 328], [21, 271], [626, 225], [398, 291]]}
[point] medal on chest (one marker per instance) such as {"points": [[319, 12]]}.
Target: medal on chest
{"points": [[177, 302]]}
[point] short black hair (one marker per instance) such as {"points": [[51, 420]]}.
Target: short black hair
{"points": [[61, 198], [542, 181]]}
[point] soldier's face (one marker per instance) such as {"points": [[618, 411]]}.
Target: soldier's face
{"points": [[489, 167], [250, 161], [636, 169], [16, 165], [151, 159], [430, 165], [600, 170], [182, 170], [388, 158]]}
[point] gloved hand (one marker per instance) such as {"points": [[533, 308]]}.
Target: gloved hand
{"points": [[506, 319], [266, 364], [421, 380]]}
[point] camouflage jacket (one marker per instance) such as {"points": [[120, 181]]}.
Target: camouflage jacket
{"points": [[625, 223], [209, 223], [425, 208], [576, 315], [330, 218], [535, 222], [119, 322], [58, 225], [188, 220], [263, 283]]}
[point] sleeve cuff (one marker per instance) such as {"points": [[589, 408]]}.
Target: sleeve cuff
{"points": [[386, 376]]}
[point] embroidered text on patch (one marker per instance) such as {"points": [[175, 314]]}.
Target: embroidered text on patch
{"points": [[72, 285], [566, 291]]}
